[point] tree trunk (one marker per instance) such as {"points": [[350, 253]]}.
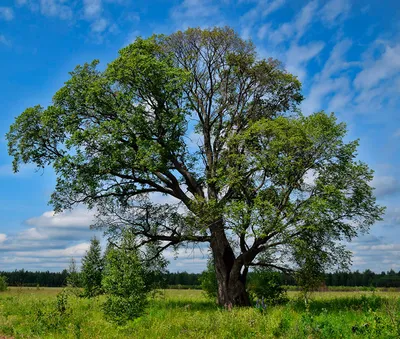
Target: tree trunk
{"points": [[231, 280]]}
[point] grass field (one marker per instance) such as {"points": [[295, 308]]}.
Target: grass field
{"points": [[38, 313]]}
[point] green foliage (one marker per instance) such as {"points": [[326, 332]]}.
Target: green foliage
{"points": [[3, 283], [74, 278], [265, 286], [188, 314], [208, 280], [92, 270], [265, 178], [124, 283]]}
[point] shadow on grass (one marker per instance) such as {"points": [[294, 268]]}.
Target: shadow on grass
{"points": [[189, 305], [361, 303]]}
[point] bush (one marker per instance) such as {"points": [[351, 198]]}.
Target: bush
{"points": [[3, 283], [208, 280], [265, 285], [124, 284]]}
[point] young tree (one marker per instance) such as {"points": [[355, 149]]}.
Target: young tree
{"points": [[208, 280], [124, 282], [198, 117], [3, 283], [73, 278], [92, 269]]}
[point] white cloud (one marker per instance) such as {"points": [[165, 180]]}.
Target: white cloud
{"points": [[295, 29], [331, 81], [376, 70], [6, 13], [297, 56], [385, 185], [131, 38], [334, 10], [76, 251], [99, 25], [261, 10], [56, 8], [194, 9], [198, 13], [6, 42], [79, 217], [92, 8], [32, 234], [3, 237]]}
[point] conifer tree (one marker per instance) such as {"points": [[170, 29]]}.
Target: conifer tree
{"points": [[92, 269]]}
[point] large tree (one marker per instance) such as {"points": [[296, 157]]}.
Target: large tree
{"points": [[198, 117]]}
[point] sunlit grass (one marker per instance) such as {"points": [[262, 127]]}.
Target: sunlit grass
{"points": [[33, 313]]}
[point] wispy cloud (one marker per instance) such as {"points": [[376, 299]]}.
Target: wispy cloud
{"points": [[92, 8], [56, 8], [376, 70], [204, 12], [190, 9], [260, 11], [334, 11], [6, 42], [331, 81], [99, 26], [6, 13]]}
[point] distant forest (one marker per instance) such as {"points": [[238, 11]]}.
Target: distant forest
{"points": [[192, 280]]}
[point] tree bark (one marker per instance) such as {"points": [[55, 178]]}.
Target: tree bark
{"points": [[231, 280]]}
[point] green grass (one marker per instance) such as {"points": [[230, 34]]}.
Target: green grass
{"points": [[32, 313]]}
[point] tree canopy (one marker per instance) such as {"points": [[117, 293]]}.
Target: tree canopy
{"points": [[198, 117]]}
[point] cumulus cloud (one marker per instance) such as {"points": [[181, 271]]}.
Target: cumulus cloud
{"points": [[49, 241], [76, 251], [79, 217], [371, 251]]}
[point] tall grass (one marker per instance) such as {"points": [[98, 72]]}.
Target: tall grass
{"points": [[31, 313]]}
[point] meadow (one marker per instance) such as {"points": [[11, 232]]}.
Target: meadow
{"points": [[52, 313]]}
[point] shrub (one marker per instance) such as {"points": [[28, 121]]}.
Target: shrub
{"points": [[265, 285], [208, 280], [124, 284], [3, 283]]}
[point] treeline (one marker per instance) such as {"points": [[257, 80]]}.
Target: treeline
{"points": [[356, 278], [37, 278], [192, 280]]}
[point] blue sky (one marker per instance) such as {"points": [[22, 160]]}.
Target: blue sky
{"points": [[346, 53]]}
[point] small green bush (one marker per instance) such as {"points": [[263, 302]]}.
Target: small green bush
{"points": [[124, 284], [3, 283], [208, 280], [265, 285]]}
